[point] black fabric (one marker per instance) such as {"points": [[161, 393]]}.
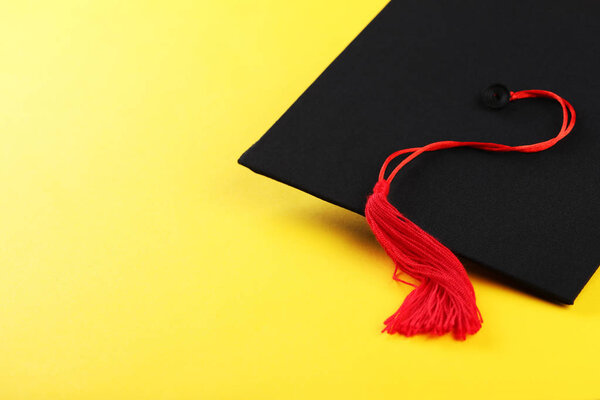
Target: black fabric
{"points": [[415, 76]]}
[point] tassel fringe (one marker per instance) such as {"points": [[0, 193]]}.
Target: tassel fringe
{"points": [[444, 299]]}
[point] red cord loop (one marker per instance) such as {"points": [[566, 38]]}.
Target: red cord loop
{"points": [[567, 126]]}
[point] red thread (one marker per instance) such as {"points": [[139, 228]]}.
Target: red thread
{"points": [[444, 299]]}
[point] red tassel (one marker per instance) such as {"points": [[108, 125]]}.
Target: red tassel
{"points": [[444, 299]]}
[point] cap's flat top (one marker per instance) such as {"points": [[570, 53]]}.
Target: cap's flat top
{"points": [[412, 77]]}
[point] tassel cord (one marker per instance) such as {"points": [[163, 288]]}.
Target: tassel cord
{"points": [[567, 126]]}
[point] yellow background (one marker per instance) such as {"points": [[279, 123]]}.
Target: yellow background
{"points": [[138, 260]]}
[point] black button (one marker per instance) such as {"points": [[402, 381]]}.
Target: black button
{"points": [[495, 96]]}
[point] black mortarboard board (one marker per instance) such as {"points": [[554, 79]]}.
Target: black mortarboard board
{"points": [[413, 77]]}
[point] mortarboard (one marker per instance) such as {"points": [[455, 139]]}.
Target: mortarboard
{"points": [[413, 77]]}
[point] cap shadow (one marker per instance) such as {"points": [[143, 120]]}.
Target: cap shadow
{"points": [[353, 227]]}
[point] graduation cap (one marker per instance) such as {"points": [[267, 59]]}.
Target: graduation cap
{"points": [[510, 187]]}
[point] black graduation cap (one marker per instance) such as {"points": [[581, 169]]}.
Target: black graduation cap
{"points": [[413, 77]]}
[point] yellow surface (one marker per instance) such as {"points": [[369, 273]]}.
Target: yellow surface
{"points": [[139, 261]]}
